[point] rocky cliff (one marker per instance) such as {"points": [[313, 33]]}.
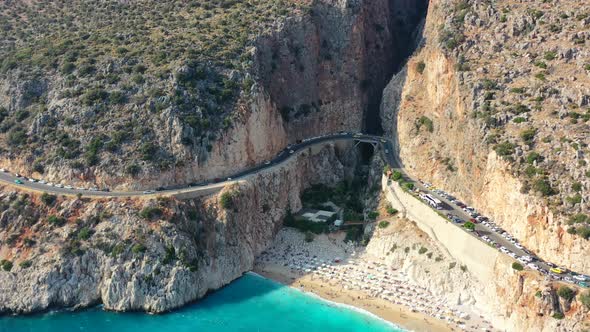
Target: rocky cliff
{"points": [[152, 255], [126, 120], [487, 110], [476, 128]]}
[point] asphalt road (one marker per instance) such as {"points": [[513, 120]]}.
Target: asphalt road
{"points": [[495, 238], [387, 153], [205, 186]]}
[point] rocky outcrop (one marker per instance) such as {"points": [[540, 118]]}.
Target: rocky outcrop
{"points": [[151, 255], [315, 72]]}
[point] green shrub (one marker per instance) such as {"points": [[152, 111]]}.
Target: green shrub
{"points": [[55, 220], [422, 250], [138, 248], [519, 119], [227, 200], [558, 315], [170, 255], [528, 135], [409, 186], [383, 224], [118, 249], [584, 232], [133, 169], [309, 236], [6, 265], [517, 266], [504, 149], [420, 66], [469, 225], [544, 187], [585, 299], [25, 264], [577, 186], [533, 156], [576, 199], [84, 233], [396, 176], [566, 293], [550, 55], [373, 215], [426, 122], [151, 212], [48, 199], [390, 210]]}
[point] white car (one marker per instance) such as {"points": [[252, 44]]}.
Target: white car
{"points": [[580, 277], [267, 162], [59, 185], [51, 184], [291, 151], [2, 170], [69, 187], [42, 182], [518, 245], [511, 254], [532, 266], [32, 180], [147, 192]]}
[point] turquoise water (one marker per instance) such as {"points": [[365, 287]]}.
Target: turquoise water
{"points": [[250, 303]]}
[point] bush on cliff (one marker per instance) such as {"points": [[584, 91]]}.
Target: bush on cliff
{"points": [[517, 266], [227, 200], [6, 265], [585, 299], [383, 224], [48, 199], [151, 212], [390, 210], [55, 220], [566, 293]]}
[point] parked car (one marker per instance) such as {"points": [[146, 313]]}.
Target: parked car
{"points": [[147, 192], [17, 181], [557, 270]]}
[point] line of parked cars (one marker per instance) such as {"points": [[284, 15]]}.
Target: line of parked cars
{"points": [[528, 259], [20, 180]]}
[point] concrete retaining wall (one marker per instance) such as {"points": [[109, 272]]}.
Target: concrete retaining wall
{"points": [[465, 248]]}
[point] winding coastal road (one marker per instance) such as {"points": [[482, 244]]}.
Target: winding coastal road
{"points": [[204, 186], [386, 149]]}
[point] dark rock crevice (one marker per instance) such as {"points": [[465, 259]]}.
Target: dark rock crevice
{"points": [[406, 23]]}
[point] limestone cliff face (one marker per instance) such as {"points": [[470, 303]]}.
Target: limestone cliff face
{"points": [[315, 73], [486, 281], [429, 108], [430, 111], [151, 255]]}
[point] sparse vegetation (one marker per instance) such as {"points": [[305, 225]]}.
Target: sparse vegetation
{"points": [[566, 293], [517, 266], [383, 224], [6, 265], [151, 212]]}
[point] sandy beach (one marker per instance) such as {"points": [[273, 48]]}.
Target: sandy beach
{"points": [[398, 315], [335, 271]]}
